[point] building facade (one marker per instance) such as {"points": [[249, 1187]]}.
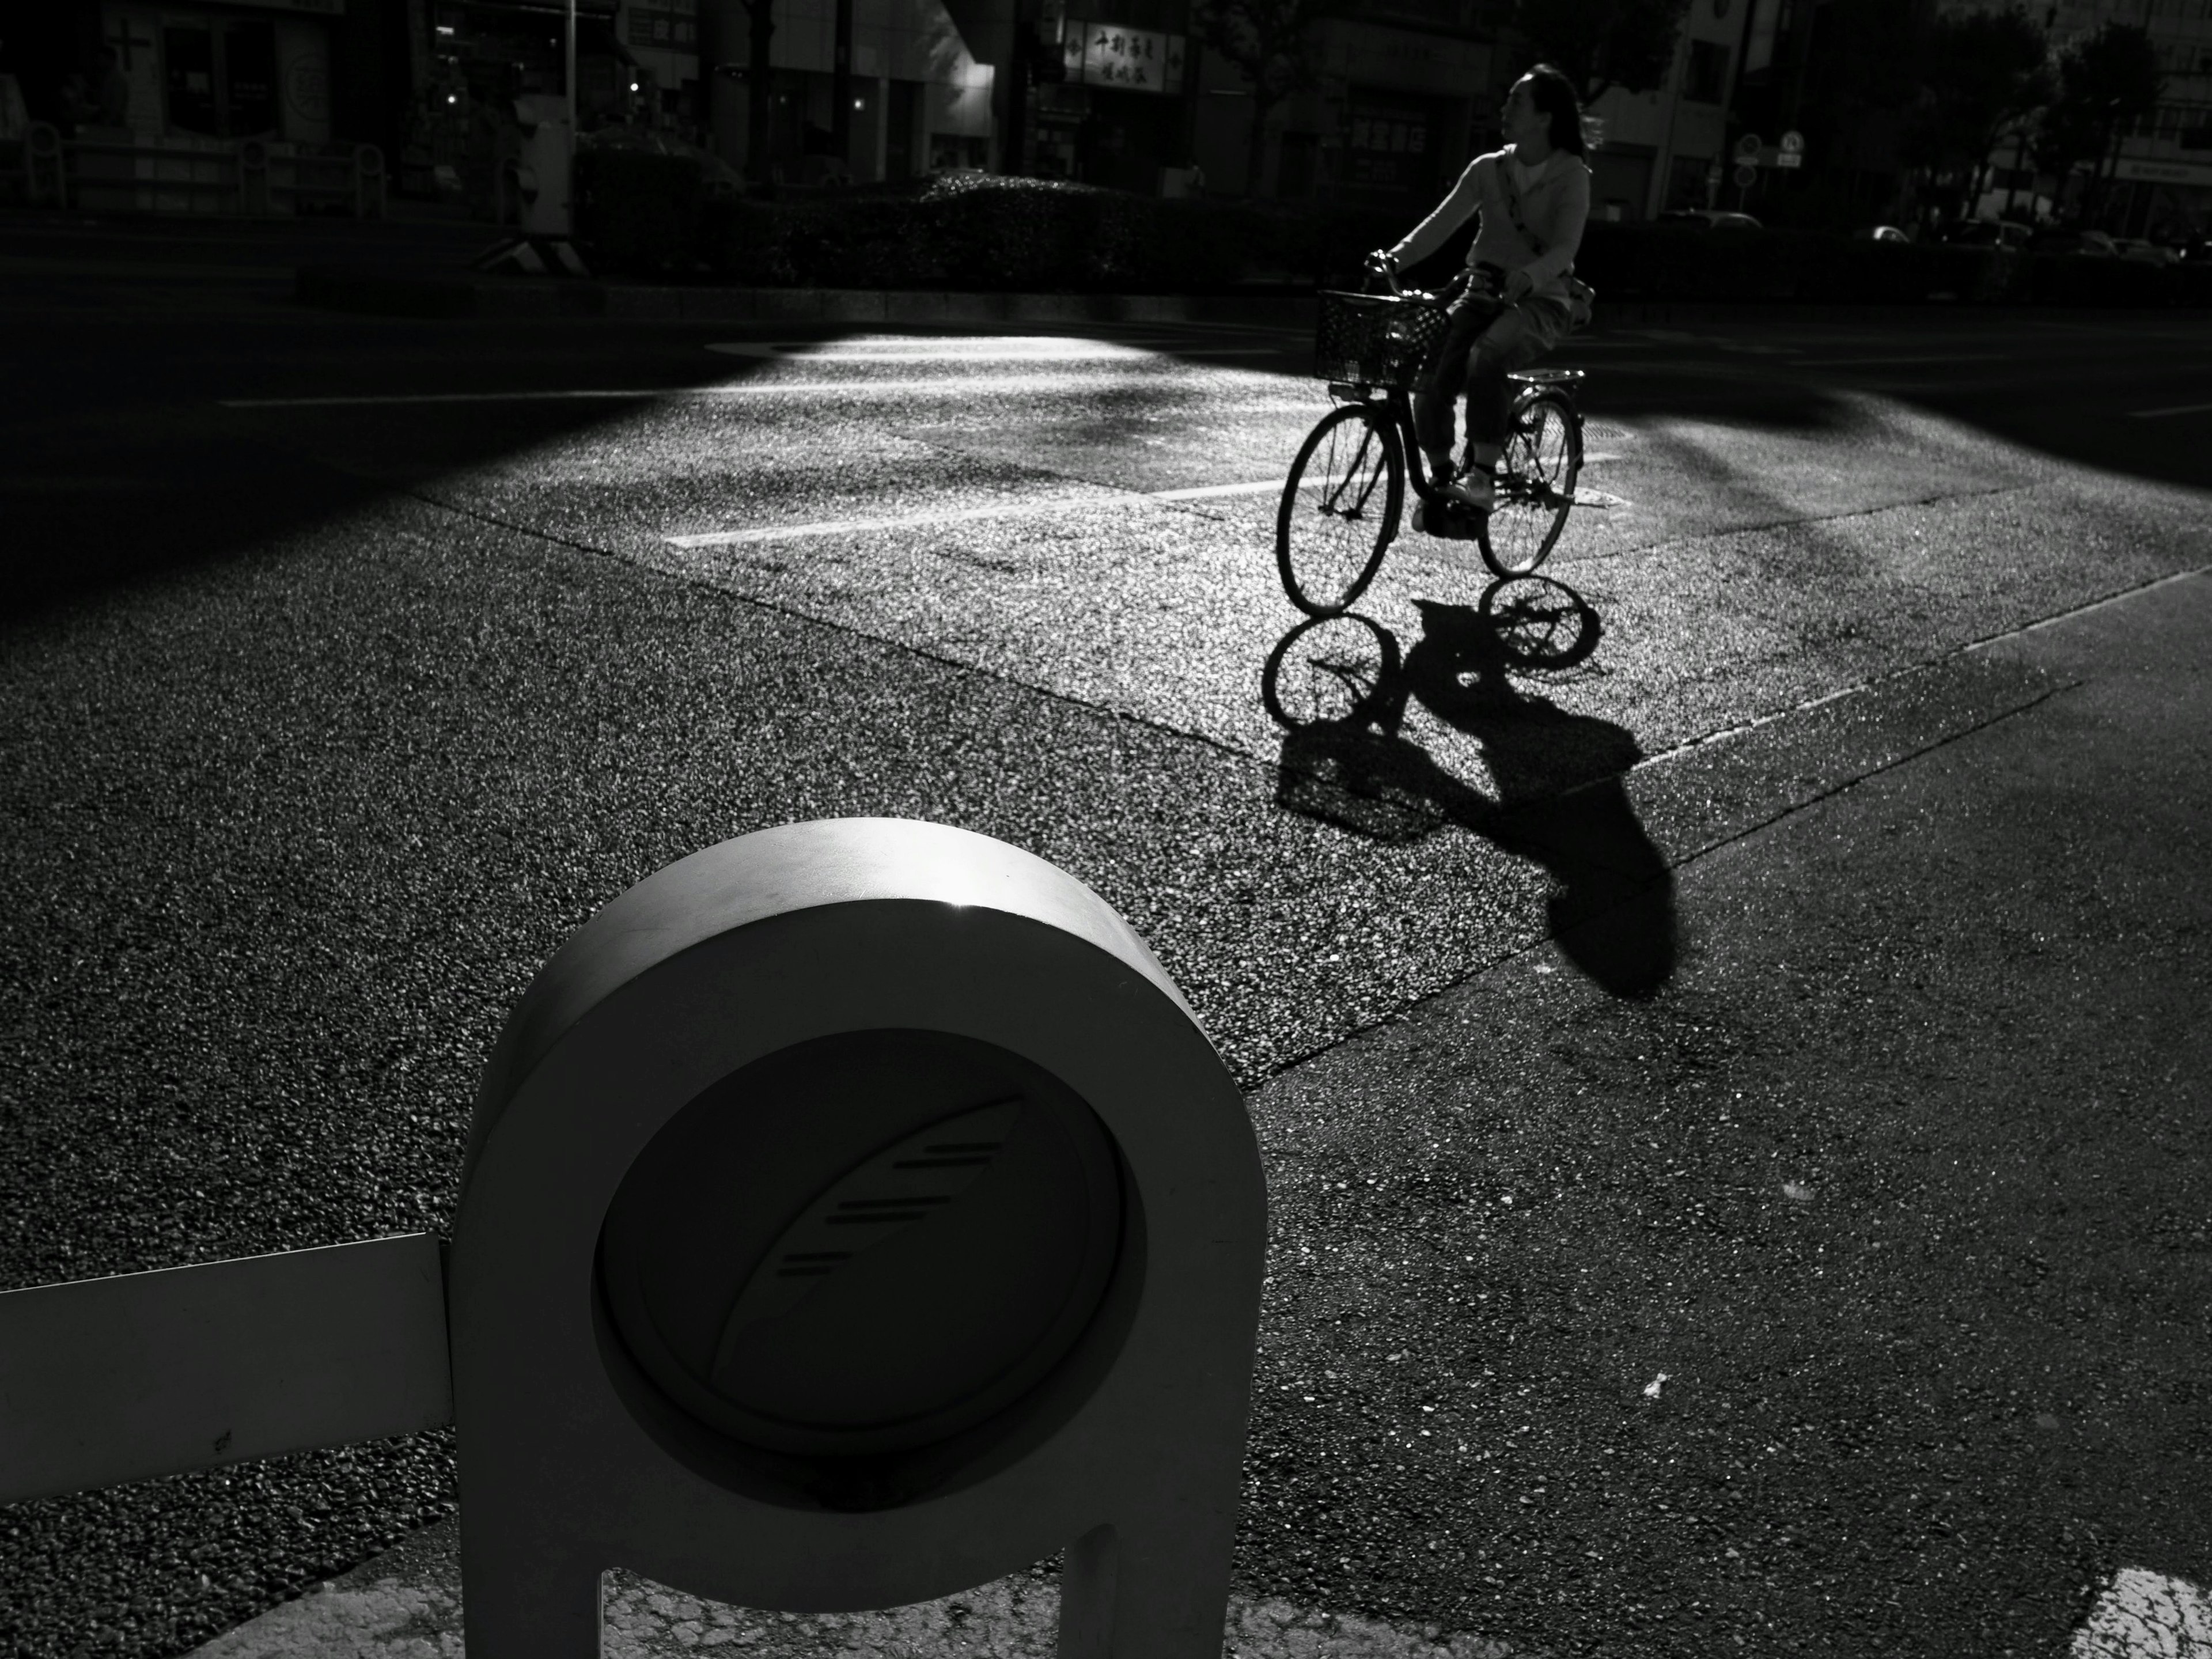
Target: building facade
{"points": [[189, 73], [917, 99], [1668, 148], [1401, 97], [2163, 180]]}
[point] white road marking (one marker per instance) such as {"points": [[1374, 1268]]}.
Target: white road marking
{"points": [[2147, 1615], [1036, 506], [1933, 357], [1206, 492], [2176, 409], [398, 398], [912, 348], [994, 385]]}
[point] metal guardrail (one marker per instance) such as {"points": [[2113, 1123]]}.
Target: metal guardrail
{"points": [[110, 1380], [252, 177]]}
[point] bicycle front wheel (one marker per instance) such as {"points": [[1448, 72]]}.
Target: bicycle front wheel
{"points": [[1543, 456], [1339, 508]]}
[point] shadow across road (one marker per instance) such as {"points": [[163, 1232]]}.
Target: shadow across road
{"points": [[1341, 687]]}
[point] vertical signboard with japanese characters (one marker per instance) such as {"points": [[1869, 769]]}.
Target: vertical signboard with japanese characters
{"points": [[1130, 60]]}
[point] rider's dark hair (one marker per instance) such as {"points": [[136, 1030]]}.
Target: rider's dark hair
{"points": [[1551, 92]]}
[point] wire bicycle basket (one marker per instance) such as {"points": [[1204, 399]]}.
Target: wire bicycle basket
{"points": [[1375, 340]]}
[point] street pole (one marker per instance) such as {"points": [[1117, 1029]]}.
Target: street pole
{"points": [[569, 207], [1735, 86], [1654, 199], [841, 87]]}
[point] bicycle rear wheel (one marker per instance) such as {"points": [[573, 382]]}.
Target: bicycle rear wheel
{"points": [[1536, 483], [1339, 508]]}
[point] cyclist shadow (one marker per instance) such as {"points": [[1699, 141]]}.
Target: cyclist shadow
{"points": [[1341, 686]]}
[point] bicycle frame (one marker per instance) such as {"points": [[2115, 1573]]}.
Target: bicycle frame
{"points": [[1399, 401]]}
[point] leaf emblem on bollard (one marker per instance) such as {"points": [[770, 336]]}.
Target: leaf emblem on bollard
{"points": [[892, 1189]]}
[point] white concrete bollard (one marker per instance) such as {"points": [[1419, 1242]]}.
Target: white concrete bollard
{"points": [[854, 1214]]}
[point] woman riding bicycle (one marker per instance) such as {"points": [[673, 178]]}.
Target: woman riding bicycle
{"points": [[1534, 197]]}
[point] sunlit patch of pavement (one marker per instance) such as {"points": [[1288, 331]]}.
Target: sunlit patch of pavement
{"points": [[1166, 610], [407, 1604], [1736, 571], [1739, 566], [2143, 1614], [910, 348]]}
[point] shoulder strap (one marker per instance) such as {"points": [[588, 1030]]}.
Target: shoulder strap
{"points": [[1511, 192]]}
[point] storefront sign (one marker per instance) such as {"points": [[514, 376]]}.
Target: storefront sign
{"points": [[1133, 60], [321, 8], [666, 30], [672, 25], [1368, 54], [2165, 173]]}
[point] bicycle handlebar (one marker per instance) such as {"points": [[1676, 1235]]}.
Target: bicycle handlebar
{"points": [[1379, 265]]}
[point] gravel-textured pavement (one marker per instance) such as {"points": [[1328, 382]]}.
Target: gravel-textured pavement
{"points": [[1825, 995]]}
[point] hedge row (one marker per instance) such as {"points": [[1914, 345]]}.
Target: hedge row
{"points": [[649, 214]]}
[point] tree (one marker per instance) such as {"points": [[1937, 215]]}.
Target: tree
{"points": [[1600, 44], [1986, 76], [1866, 71], [1268, 43], [2106, 83], [715, 43]]}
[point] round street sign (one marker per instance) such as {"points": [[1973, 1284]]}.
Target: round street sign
{"points": [[1746, 175], [1793, 143], [1748, 146]]}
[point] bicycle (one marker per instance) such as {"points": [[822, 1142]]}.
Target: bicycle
{"points": [[1371, 347]]}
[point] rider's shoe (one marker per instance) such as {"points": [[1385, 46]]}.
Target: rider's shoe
{"points": [[1475, 489]]}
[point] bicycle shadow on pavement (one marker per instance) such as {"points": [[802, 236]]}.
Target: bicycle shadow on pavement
{"points": [[1341, 687]]}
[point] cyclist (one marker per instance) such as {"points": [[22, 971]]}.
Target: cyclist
{"points": [[1534, 199]]}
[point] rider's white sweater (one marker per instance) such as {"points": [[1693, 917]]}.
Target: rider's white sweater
{"points": [[1555, 206]]}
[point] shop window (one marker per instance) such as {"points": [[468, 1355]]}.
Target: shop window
{"points": [[188, 75], [249, 57], [221, 82]]}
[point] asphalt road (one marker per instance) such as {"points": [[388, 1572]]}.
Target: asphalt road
{"points": [[1733, 1101]]}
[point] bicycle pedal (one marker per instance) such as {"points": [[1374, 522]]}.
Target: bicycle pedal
{"points": [[1450, 522]]}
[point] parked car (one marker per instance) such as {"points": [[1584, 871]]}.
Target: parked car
{"points": [[1709, 219], [1882, 233], [2060, 241], [2151, 253], [2195, 252], [1990, 232]]}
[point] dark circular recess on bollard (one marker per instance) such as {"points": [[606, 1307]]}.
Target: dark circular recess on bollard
{"points": [[860, 1248]]}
